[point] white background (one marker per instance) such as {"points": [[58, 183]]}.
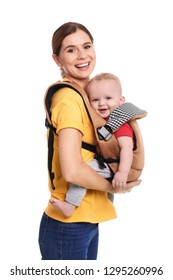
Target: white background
{"points": [[133, 39]]}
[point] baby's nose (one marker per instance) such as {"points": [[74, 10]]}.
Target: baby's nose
{"points": [[101, 102]]}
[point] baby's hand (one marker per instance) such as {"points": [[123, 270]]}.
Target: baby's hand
{"points": [[120, 179]]}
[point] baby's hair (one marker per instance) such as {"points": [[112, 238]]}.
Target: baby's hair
{"points": [[106, 76]]}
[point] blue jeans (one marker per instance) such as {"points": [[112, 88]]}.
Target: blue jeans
{"points": [[67, 241]]}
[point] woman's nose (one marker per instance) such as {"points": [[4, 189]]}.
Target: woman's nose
{"points": [[81, 53]]}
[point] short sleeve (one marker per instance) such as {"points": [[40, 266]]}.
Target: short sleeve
{"points": [[67, 110], [124, 130]]}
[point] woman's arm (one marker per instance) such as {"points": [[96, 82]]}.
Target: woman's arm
{"points": [[75, 170]]}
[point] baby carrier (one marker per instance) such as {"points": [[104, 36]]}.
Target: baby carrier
{"points": [[107, 147]]}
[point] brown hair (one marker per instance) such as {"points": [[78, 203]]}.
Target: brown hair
{"points": [[106, 76], [65, 30]]}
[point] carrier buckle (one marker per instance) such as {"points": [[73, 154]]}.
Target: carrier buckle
{"points": [[104, 132]]}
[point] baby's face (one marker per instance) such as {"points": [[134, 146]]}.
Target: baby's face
{"points": [[104, 96]]}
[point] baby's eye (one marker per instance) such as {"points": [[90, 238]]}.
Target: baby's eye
{"points": [[95, 100], [108, 97]]}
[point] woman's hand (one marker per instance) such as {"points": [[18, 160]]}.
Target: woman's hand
{"points": [[129, 186]]}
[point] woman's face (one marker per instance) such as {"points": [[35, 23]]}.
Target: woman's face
{"points": [[77, 56]]}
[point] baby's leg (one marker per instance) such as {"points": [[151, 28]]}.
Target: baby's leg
{"points": [[104, 172], [75, 194]]}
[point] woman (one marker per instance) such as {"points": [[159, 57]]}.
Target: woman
{"points": [[74, 237]]}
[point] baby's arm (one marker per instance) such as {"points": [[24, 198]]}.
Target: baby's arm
{"points": [[126, 157]]}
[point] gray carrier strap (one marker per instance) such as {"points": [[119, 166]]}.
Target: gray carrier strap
{"points": [[118, 117]]}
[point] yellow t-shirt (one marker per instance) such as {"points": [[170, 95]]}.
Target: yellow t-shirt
{"points": [[68, 110]]}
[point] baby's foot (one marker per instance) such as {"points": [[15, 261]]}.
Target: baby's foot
{"points": [[63, 206]]}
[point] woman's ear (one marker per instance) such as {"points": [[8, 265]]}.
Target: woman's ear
{"points": [[56, 59], [122, 100]]}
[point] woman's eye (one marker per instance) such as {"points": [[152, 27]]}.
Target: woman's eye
{"points": [[87, 46], [71, 50]]}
